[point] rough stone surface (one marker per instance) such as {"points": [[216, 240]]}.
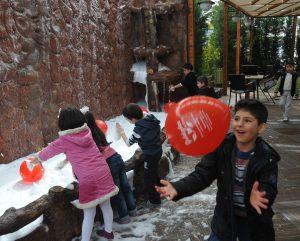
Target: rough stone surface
{"points": [[57, 53]]}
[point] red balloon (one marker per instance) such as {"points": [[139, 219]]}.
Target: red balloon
{"points": [[33, 175], [102, 125], [144, 109], [197, 125], [168, 106]]}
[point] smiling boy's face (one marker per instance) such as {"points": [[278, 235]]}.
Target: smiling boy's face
{"points": [[246, 128], [289, 68]]}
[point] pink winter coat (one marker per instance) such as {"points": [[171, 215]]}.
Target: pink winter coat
{"points": [[96, 184], [107, 151]]}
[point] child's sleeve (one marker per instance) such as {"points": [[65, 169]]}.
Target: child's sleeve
{"points": [[205, 173], [268, 181], [134, 138], [53, 149]]}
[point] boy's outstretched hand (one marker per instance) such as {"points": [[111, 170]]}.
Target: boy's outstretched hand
{"points": [[167, 190], [257, 198]]}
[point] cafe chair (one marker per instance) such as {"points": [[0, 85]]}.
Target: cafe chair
{"points": [[266, 85], [239, 85]]}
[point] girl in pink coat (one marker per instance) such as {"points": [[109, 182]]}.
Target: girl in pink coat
{"points": [[96, 185]]}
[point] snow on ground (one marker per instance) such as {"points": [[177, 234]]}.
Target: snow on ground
{"points": [[187, 219], [18, 194]]}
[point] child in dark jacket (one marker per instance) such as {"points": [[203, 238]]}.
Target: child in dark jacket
{"points": [[189, 81], [147, 134], [246, 170], [124, 201], [204, 89]]}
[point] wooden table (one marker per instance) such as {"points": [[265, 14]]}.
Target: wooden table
{"points": [[257, 79]]}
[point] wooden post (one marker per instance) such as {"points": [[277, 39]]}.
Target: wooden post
{"points": [[293, 38], [191, 33], [225, 49], [238, 48], [251, 42]]}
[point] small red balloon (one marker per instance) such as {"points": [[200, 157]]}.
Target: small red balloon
{"points": [[197, 125], [144, 109], [102, 125], [33, 175], [168, 106]]}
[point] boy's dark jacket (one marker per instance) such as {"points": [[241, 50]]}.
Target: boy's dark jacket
{"points": [[207, 91], [293, 88], [220, 165], [149, 130], [190, 83]]}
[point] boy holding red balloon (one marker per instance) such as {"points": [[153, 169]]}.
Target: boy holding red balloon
{"points": [[147, 134], [245, 167]]}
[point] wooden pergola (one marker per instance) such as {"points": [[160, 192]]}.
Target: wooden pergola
{"points": [[252, 9]]}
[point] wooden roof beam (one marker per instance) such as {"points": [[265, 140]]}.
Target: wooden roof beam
{"points": [[237, 7], [274, 6], [278, 11], [268, 3], [291, 11]]}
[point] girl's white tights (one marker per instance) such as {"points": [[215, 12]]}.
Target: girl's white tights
{"points": [[89, 216], [88, 223]]}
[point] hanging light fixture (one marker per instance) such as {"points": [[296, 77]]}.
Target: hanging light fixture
{"points": [[205, 5], [247, 22], [236, 17]]}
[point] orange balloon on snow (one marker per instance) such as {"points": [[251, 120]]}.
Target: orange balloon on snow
{"points": [[102, 125], [197, 125], [33, 175]]}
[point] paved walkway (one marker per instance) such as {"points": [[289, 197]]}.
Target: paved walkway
{"points": [[285, 138]]}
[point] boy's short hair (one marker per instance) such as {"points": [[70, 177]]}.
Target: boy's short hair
{"points": [[188, 66], [255, 107], [290, 63], [203, 79], [70, 118], [133, 111]]}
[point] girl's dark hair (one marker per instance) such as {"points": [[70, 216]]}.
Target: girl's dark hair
{"points": [[97, 133], [255, 107], [70, 118], [290, 63], [133, 111]]}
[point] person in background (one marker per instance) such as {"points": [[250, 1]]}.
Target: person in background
{"points": [[147, 134], [288, 85], [189, 81], [96, 185], [204, 89], [246, 170], [124, 201]]}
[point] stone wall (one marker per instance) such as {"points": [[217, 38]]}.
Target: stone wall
{"points": [[57, 53]]}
